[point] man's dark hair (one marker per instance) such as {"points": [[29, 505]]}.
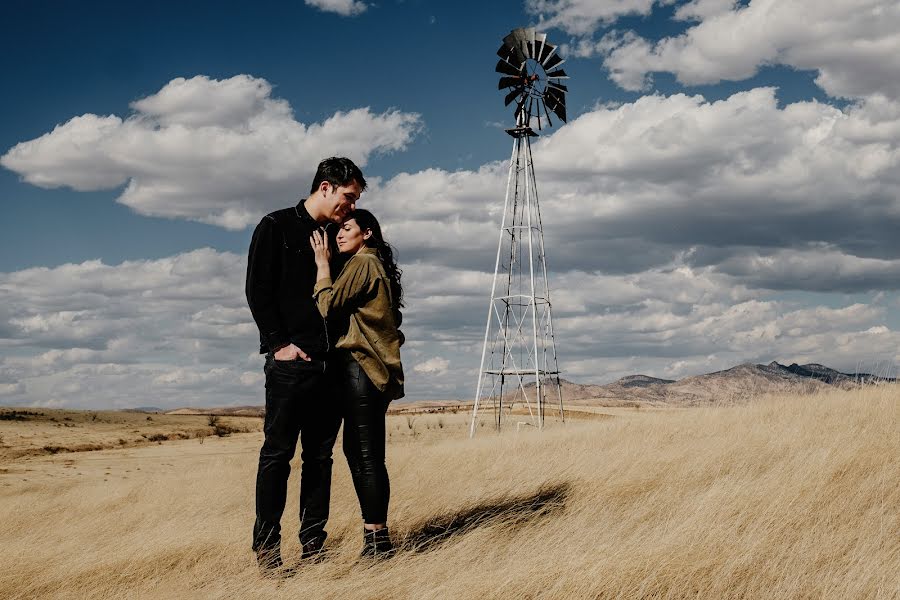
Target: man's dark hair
{"points": [[338, 171]]}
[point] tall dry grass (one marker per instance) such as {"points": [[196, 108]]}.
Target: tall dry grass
{"points": [[786, 498]]}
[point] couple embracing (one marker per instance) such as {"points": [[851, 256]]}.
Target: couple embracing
{"points": [[332, 348]]}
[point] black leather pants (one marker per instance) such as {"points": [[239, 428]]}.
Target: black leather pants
{"points": [[363, 409], [300, 402]]}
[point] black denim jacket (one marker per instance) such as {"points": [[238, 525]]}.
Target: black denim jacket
{"points": [[281, 274]]}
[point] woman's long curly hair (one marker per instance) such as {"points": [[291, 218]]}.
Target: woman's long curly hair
{"points": [[376, 241]]}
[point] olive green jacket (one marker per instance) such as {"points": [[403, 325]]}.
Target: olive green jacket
{"points": [[363, 290]]}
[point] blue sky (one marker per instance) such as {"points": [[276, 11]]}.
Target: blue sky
{"points": [[724, 190], [432, 58]]}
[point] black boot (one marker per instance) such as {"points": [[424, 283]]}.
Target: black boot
{"points": [[377, 544], [269, 561], [313, 549]]}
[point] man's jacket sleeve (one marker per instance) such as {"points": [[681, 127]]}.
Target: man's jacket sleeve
{"points": [[263, 268]]}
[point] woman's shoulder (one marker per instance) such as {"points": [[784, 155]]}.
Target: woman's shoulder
{"points": [[366, 254], [369, 258], [366, 262], [363, 259]]}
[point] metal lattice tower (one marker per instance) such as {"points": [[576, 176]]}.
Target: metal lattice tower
{"points": [[519, 366]]}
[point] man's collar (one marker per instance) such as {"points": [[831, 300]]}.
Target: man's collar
{"points": [[302, 213]]}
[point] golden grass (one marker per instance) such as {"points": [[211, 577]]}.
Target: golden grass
{"points": [[37, 431], [785, 498]]}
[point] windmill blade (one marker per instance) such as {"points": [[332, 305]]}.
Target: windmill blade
{"points": [[539, 39], [528, 46], [547, 113], [556, 96], [507, 69], [513, 41], [517, 36], [547, 51], [550, 102], [513, 38], [558, 74], [553, 62], [556, 86], [556, 102], [512, 56], [511, 96], [560, 111], [506, 82]]}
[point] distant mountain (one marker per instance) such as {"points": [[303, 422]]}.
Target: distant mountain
{"points": [[733, 385], [145, 409], [642, 381], [829, 375], [740, 383]]}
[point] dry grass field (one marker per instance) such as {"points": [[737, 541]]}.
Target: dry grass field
{"points": [[791, 497], [38, 431]]}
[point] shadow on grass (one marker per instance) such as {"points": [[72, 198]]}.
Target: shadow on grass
{"points": [[505, 510]]}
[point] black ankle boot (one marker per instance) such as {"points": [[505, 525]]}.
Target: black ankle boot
{"points": [[269, 560], [377, 544], [313, 549]]}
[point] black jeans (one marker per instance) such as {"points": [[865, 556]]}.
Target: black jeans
{"points": [[300, 401], [363, 408]]}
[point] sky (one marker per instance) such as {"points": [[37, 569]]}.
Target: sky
{"points": [[726, 189]]}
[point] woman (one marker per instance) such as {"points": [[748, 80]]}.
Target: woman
{"points": [[364, 303]]}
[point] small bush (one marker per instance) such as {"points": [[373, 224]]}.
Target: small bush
{"points": [[16, 415], [212, 420], [222, 430]]}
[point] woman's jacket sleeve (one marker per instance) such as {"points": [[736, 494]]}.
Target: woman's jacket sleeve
{"points": [[355, 281]]}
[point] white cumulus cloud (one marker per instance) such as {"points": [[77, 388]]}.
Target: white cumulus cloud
{"points": [[223, 152], [583, 16], [853, 45], [435, 365], [346, 8]]}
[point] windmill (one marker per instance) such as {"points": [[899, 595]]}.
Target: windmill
{"points": [[519, 366]]}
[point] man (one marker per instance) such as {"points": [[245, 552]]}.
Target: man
{"points": [[281, 274]]}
